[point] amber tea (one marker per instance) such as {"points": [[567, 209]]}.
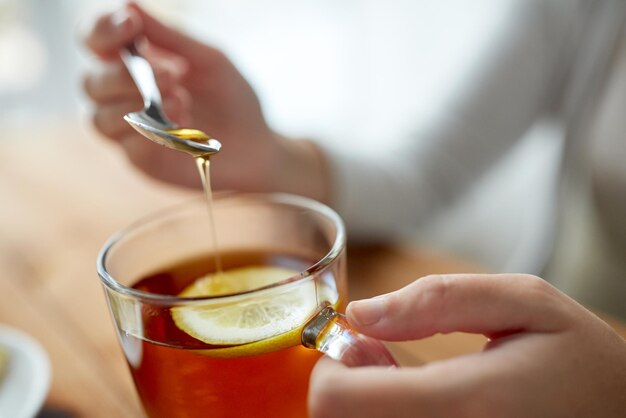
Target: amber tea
{"points": [[188, 377], [205, 341]]}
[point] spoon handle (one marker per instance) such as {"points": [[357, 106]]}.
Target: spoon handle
{"points": [[142, 74]]}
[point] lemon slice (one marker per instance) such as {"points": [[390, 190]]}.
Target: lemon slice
{"points": [[237, 280], [251, 318]]}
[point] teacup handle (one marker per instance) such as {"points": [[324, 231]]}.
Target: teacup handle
{"points": [[330, 333]]}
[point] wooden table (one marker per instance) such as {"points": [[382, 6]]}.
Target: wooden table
{"points": [[62, 193]]}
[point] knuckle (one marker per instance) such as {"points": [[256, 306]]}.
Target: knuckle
{"points": [[94, 86], [434, 291], [87, 81], [93, 82], [537, 286], [428, 294], [97, 120], [111, 80]]}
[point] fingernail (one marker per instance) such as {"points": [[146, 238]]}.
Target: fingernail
{"points": [[125, 21], [120, 19], [368, 311]]}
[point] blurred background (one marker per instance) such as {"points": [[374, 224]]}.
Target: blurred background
{"points": [[322, 81]]}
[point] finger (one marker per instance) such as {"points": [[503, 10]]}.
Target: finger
{"points": [[488, 304], [336, 391], [442, 389], [172, 40], [473, 385], [113, 82], [112, 31], [108, 118], [158, 162]]}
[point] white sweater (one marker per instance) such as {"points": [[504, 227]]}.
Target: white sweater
{"points": [[533, 59]]}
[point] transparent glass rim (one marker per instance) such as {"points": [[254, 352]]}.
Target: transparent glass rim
{"points": [[335, 251]]}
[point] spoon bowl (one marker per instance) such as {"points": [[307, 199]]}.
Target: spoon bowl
{"points": [[151, 122], [196, 143]]}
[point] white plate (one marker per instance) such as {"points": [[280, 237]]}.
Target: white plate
{"points": [[25, 384]]}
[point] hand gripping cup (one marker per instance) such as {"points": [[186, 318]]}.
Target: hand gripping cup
{"points": [[238, 335]]}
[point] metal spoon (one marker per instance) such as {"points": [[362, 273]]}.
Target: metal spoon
{"points": [[151, 122]]}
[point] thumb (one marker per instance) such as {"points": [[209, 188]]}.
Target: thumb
{"points": [[170, 39], [476, 303]]}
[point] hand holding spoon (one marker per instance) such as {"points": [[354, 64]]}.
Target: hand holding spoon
{"points": [[151, 122]]}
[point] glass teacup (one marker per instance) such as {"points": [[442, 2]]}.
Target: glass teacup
{"points": [[235, 344]]}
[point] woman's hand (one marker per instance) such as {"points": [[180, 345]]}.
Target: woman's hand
{"points": [[547, 356], [201, 89]]}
